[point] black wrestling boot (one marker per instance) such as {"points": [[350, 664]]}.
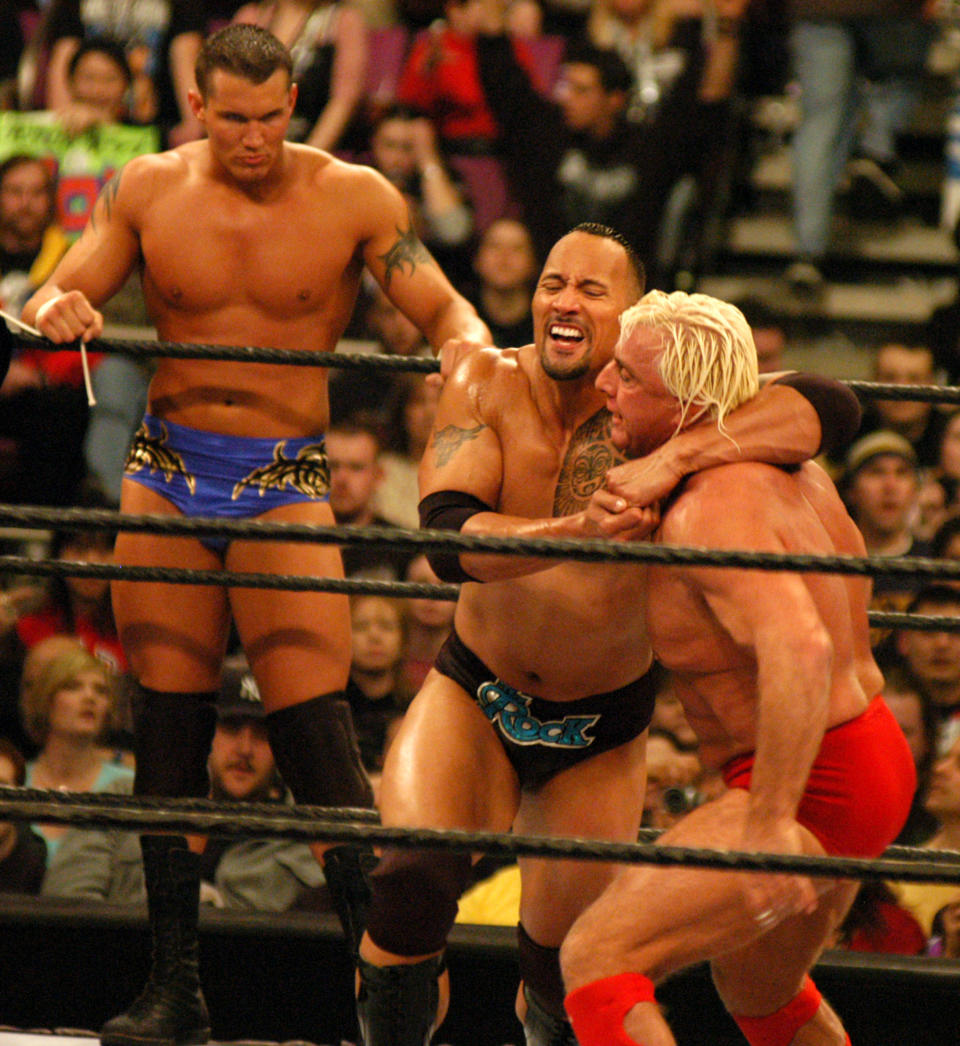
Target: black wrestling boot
{"points": [[397, 1005], [170, 1011], [346, 869], [543, 1028]]}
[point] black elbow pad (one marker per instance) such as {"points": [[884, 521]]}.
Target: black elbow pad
{"points": [[449, 510], [836, 405]]}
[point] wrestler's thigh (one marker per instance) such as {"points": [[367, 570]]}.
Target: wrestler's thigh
{"points": [[174, 635], [662, 919], [600, 798], [297, 643], [768, 973], [445, 768]]}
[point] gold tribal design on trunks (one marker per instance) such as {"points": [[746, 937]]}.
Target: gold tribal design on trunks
{"points": [[307, 473], [152, 453]]}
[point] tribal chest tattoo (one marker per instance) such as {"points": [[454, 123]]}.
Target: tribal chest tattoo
{"points": [[589, 456]]}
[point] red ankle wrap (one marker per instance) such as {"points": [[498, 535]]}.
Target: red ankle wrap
{"points": [[597, 1009], [780, 1028]]}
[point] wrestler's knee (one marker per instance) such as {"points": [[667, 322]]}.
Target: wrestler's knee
{"points": [[414, 895]]}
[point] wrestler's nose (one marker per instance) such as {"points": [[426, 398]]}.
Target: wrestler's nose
{"points": [[606, 379], [566, 300]]}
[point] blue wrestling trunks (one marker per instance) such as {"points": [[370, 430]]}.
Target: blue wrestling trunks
{"points": [[542, 738], [234, 477]]}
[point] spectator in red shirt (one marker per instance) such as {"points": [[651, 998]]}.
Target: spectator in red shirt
{"points": [[440, 78]]}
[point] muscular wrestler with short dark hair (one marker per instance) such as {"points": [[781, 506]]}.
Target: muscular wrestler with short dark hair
{"points": [[535, 715], [242, 238]]}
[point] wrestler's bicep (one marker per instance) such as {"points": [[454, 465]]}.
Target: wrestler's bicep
{"points": [[107, 251], [463, 452]]}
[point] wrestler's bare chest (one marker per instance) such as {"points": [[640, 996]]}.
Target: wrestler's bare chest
{"points": [[545, 474], [204, 254]]}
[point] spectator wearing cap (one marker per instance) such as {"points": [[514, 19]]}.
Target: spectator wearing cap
{"points": [[253, 874], [881, 487]]}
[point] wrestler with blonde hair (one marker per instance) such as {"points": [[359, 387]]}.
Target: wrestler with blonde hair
{"points": [[709, 359]]}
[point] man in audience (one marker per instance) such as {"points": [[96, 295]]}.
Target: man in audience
{"points": [[881, 489], [43, 412], [353, 454], [31, 243], [23, 853], [898, 363], [934, 656]]}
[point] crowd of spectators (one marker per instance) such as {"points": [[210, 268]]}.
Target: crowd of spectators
{"points": [[502, 128]]}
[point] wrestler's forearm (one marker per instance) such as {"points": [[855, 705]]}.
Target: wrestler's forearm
{"points": [[491, 567], [778, 426], [457, 321]]}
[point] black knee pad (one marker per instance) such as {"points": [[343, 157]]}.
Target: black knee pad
{"points": [[316, 751], [171, 742], [540, 973], [397, 1005], [414, 899]]}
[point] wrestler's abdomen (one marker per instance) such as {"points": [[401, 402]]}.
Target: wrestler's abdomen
{"points": [[246, 276], [571, 631]]}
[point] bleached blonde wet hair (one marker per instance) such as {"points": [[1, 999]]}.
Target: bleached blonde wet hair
{"points": [[709, 360]]}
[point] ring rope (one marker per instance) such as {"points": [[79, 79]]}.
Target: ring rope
{"points": [[310, 814], [145, 349], [344, 586], [583, 549], [125, 812], [239, 354]]}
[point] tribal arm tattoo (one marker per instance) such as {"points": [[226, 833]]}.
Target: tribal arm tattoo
{"points": [[408, 250], [588, 458], [107, 196], [450, 439]]}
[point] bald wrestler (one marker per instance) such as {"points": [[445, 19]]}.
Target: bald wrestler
{"points": [[241, 238], [776, 677], [534, 717]]}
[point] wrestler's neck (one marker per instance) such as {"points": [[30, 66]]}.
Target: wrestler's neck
{"points": [[270, 186], [575, 399]]}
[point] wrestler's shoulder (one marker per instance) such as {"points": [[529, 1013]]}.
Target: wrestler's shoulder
{"points": [[743, 490], [328, 173], [493, 368]]}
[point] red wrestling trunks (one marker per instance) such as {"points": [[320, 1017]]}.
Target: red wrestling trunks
{"points": [[860, 788]]}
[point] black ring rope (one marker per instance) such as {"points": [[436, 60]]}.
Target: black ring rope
{"points": [[146, 349], [25, 566], [585, 549], [326, 814], [227, 578], [126, 812]]}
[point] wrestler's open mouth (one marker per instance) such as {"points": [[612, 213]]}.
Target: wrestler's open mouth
{"points": [[562, 333]]}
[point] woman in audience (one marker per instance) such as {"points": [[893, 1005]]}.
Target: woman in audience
{"points": [[67, 712]]}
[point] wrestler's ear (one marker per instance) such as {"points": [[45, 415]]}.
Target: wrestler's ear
{"points": [[196, 103]]}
